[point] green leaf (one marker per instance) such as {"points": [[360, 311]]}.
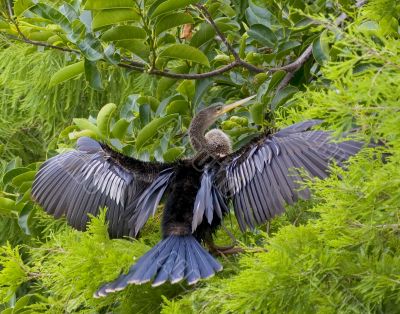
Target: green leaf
{"points": [[137, 46], [178, 106], [201, 87], [104, 118], [67, 73], [123, 32], [4, 24], [203, 35], [206, 32], [20, 6], [173, 154], [282, 96], [111, 55], [119, 128], [321, 49], [40, 36], [185, 52], [6, 205], [85, 124], [113, 16], [171, 5], [8, 176], [50, 13], [24, 218], [108, 4], [93, 75], [151, 129], [87, 133], [91, 47], [263, 35], [173, 20], [187, 89], [257, 113], [269, 85], [152, 101], [23, 177]]}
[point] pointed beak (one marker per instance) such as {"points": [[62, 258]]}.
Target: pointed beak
{"points": [[238, 103]]}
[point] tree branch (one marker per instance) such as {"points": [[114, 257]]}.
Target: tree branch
{"points": [[293, 67], [195, 76]]}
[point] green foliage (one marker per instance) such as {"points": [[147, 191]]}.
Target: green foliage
{"points": [[336, 253]]}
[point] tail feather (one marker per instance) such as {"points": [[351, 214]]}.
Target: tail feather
{"points": [[173, 259], [205, 268]]}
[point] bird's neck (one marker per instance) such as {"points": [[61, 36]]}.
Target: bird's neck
{"points": [[196, 134]]}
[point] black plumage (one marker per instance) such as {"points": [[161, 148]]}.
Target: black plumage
{"points": [[259, 179]]}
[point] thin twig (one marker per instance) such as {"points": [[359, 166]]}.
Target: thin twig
{"points": [[223, 38], [42, 44]]}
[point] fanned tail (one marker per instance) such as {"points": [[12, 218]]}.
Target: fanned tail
{"points": [[173, 259]]}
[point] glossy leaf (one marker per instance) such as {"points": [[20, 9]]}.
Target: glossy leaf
{"points": [[108, 4], [6, 205], [263, 35], [257, 113], [119, 128], [187, 89], [185, 52], [151, 129], [8, 176], [87, 133], [93, 75], [137, 46], [23, 177], [321, 49], [173, 20], [113, 16], [123, 32], [104, 117], [25, 217], [178, 106], [67, 73], [171, 5], [282, 96], [20, 6], [85, 124], [53, 15], [173, 154]]}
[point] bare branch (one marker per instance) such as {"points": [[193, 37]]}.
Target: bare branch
{"points": [[195, 76], [293, 67]]}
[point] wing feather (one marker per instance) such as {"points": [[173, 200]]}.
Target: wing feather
{"points": [[267, 174], [81, 181]]}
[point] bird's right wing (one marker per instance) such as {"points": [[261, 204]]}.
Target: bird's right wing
{"points": [[266, 174], [81, 181]]}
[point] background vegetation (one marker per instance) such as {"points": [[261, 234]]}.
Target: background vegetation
{"points": [[132, 74]]}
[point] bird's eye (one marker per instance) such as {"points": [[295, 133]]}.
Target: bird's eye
{"points": [[219, 108]]}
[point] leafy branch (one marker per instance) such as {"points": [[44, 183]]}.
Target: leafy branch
{"points": [[290, 68]]}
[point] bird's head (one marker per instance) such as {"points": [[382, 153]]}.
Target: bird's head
{"points": [[210, 114], [215, 142]]}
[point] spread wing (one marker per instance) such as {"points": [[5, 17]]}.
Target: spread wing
{"points": [[93, 176], [265, 175]]}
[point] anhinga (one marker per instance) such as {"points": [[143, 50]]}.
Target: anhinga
{"points": [[259, 179]]}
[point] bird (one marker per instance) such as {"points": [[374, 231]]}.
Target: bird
{"points": [[258, 180]]}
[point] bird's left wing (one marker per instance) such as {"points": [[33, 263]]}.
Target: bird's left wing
{"points": [[81, 181], [265, 175]]}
